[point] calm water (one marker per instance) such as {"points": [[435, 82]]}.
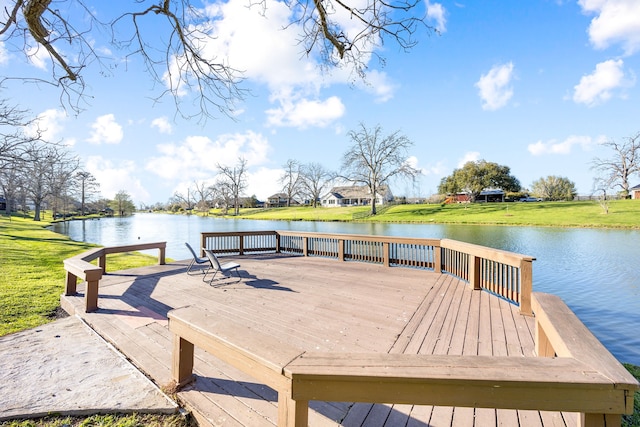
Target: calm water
{"points": [[594, 271]]}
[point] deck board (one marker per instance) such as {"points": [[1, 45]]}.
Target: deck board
{"points": [[321, 305]]}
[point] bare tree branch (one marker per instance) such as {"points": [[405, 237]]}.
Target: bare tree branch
{"points": [[177, 58]]}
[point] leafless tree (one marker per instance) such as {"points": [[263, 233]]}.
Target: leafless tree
{"points": [[234, 181], [203, 193], [46, 167], [291, 180], [13, 139], [315, 179], [600, 188], [88, 186], [375, 159], [11, 183], [187, 199], [339, 32], [616, 170], [61, 178]]}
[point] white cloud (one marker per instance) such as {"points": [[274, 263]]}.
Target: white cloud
{"points": [[617, 21], [378, 84], [435, 11], [263, 183], [554, 146], [106, 130], [597, 87], [116, 177], [38, 56], [436, 169], [197, 156], [470, 156], [4, 55], [276, 58], [50, 124], [304, 113], [495, 86], [162, 124]]}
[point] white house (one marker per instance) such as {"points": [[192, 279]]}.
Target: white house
{"points": [[355, 195], [634, 192]]}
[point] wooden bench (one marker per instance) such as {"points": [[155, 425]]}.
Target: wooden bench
{"points": [[261, 356], [80, 267], [536, 383]]}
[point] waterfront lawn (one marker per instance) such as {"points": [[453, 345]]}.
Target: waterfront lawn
{"points": [[622, 214], [33, 275]]}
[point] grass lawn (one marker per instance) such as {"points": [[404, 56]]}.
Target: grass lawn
{"points": [[622, 214], [33, 275]]}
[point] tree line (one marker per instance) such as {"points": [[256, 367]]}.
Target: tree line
{"points": [[373, 160], [36, 173]]}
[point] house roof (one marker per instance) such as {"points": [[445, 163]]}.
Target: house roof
{"points": [[637, 187], [355, 191], [278, 196]]}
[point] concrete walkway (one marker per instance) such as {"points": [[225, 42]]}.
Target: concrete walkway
{"points": [[65, 368]]}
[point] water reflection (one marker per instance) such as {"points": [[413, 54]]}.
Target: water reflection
{"points": [[594, 271]]}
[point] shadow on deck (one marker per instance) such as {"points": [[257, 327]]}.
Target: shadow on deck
{"points": [[321, 305]]}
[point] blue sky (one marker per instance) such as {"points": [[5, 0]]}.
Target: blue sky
{"points": [[535, 85]]}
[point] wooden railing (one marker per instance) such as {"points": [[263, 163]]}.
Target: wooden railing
{"points": [[80, 267], [503, 273]]}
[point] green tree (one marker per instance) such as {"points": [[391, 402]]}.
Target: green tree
{"points": [[476, 176], [122, 204], [374, 159], [554, 188]]}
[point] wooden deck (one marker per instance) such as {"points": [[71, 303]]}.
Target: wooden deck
{"points": [[321, 305]]}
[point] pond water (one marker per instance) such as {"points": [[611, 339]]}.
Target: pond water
{"points": [[594, 271]]}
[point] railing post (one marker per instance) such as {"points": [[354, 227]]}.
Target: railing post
{"points": [[91, 296], [203, 244], [526, 287], [474, 272], [277, 243], [437, 259], [70, 287], [305, 246], [543, 344], [161, 256], [102, 263], [182, 361], [385, 254], [340, 249], [241, 244], [599, 420]]}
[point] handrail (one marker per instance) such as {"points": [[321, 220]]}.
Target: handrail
{"points": [[503, 273], [80, 267]]}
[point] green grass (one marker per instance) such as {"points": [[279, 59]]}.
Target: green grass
{"points": [[622, 214], [131, 420], [633, 420], [33, 275]]}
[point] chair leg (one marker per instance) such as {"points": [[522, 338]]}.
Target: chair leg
{"points": [[204, 278], [189, 272]]}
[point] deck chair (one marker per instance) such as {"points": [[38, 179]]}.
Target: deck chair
{"points": [[216, 266], [196, 260]]}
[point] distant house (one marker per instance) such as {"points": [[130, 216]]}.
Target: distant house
{"points": [[279, 200], [634, 192], [485, 196], [3, 204], [355, 195]]}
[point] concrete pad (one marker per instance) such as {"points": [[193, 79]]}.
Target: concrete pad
{"points": [[65, 368]]}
